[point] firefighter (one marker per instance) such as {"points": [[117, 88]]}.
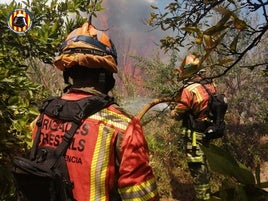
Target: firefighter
{"points": [[108, 158], [191, 108]]}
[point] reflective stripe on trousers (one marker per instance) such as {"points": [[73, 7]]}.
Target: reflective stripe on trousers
{"points": [[192, 140], [202, 191], [197, 164]]}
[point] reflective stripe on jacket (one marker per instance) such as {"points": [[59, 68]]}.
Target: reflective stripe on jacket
{"points": [[108, 154], [193, 97]]}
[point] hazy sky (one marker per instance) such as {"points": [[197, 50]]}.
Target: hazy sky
{"points": [[8, 1]]}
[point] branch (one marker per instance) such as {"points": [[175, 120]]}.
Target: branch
{"points": [[253, 44], [251, 67]]}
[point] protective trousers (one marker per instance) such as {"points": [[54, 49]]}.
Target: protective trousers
{"points": [[197, 164]]}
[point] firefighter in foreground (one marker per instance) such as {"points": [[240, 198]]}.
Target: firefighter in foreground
{"points": [[108, 158], [191, 106]]}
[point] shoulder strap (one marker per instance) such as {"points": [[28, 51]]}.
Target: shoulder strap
{"points": [[203, 83], [207, 90], [68, 135], [39, 125], [55, 106], [92, 105]]}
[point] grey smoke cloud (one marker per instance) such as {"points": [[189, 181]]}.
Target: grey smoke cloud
{"points": [[134, 106], [126, 23]]}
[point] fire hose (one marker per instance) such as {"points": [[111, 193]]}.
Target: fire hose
{"points": [[149, 105]]}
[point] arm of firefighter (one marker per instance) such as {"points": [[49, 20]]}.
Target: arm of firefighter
{"points": [[136, 178], [184, 104]]}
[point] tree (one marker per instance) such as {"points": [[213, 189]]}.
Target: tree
{"points": [[230, 39], [158, 77], [22, 61], [227, 42]]}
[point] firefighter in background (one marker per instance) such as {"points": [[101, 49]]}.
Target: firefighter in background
{"points": [[109, 158], [191, 106]]}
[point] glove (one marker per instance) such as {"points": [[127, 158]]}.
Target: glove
{"points": [[210, 133], [173, 113], [172, 106]]}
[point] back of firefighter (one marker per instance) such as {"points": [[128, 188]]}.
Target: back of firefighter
{"points": [[192, 103], [108, 158]]}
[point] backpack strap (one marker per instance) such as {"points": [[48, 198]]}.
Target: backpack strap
{"points": [[39, 125], [207, 90], [60, 108], [203, 84], [68, 135], [93, 105]]}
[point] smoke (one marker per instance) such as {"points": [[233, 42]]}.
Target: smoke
{"points": [[134, 106], [125, 21]]}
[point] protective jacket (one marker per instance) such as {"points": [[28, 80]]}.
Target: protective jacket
{"points": [[108, 155], [193, 98]]}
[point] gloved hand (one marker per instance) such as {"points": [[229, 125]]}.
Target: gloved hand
{"points": [[214, 132], [173, 113], [171, 106], [210, 133]]}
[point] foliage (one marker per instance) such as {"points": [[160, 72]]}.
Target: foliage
{"points": [[158, 77], [18, 96], [22, 58], [193, 24], [231, 179], [168, 159], [244, 89], [247, 112], [240, 183], [221, 33]]}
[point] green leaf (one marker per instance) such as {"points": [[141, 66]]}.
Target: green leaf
{"points": [[33, 111], [191, 29], [258, 174], [220, 26], [224, 61], [244, 176], [154, 7], [222, 162], [241, 194], [13, 100], [233, 45]]}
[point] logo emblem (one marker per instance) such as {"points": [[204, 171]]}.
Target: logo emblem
{"points": [[19, 20]]}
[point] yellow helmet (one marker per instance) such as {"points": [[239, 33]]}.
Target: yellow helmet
{"points": [[189, 66], [86, 46]]}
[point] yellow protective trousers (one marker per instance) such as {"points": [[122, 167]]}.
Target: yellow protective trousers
{"points": [[197, 163]]}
